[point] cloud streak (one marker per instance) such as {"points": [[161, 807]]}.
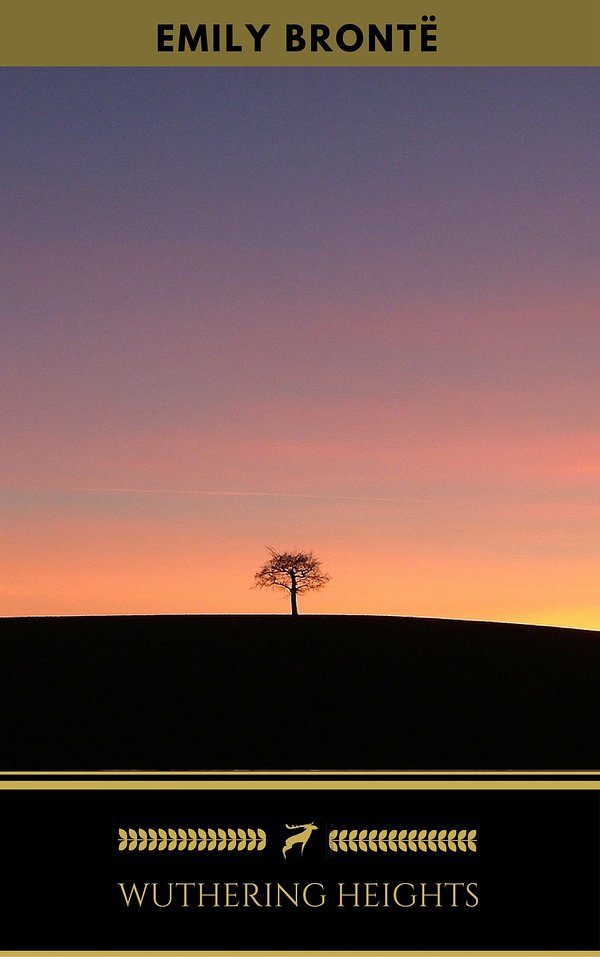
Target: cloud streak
{"points": [[235, 494]]}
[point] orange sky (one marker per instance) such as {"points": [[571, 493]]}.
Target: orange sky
{"points": [[184, 563]]}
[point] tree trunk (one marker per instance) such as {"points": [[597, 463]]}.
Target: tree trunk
{"points": [[294, 599]]}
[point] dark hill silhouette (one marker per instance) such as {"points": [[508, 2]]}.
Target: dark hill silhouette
{"points": [[273, 692]]}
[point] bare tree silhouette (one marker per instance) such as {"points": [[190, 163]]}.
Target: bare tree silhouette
{"points": [[295, 571]]}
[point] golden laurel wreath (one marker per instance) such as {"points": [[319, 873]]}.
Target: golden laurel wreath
{"points": [[415, 840], [190, 839]]}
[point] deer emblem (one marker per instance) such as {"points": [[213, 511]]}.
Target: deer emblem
{"points": [[304, 832]]}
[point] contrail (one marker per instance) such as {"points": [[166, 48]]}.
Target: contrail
{"points": [[236, 494]]}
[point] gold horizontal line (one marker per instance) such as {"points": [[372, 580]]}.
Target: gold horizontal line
{"points": [[298, 953], [301, 785], [312, 773]]}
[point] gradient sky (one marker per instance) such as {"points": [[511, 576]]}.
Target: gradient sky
{"points": [[352, 310]]}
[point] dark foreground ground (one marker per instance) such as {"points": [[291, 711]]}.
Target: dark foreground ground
{"points": [[272, 692]]}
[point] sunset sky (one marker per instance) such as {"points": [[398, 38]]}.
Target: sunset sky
{"points": [[350, 310]]}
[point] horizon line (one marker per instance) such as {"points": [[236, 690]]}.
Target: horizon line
{"points": [[196, 614]]}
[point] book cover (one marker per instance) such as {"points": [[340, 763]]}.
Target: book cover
{"points": [[299, 595]]}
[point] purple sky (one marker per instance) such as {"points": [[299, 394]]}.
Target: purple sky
{"points": [[369, 295]]}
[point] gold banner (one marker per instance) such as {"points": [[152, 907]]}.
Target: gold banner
{"points": [[307, 33]]}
